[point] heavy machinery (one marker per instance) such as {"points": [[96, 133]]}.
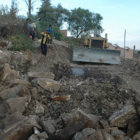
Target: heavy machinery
{"points": [[95, 50]]}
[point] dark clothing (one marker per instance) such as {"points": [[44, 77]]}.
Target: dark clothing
{"points": [[44, 49], [44, 43]]}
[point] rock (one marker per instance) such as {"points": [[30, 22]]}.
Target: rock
{"points": [[19, 82], [17, 91], [120, 118], [106, 136], [36, 131], [49, 84], [3, 109], [9, 74], [79, 122], [104, 124], [18, 127], [67, 117], [4, 58], [42, 135], [132, 127], [35, 59], [137, 136], [34, 93], [84, 134], [17, 104], [33, 137], [48, 75], [39, 108], [92, 134], [118, 134], [49, 126]]}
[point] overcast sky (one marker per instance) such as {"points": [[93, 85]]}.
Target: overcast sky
{"points": [[118, 15]]}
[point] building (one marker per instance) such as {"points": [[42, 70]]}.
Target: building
{"points": [[128, 52], [64, 32]]}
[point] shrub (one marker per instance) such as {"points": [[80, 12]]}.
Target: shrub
{"points": [[71, 41], [21, 43], [57, 34]]}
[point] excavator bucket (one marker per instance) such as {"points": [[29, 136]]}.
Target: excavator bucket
{"points": [[96, 55]]}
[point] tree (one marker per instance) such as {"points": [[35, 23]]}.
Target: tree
{"points": [[49, 14], [29, 4], [13, 11], [97, 18], [82, 20]]}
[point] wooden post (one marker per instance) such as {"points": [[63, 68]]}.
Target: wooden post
{"points": [[124, 42]]}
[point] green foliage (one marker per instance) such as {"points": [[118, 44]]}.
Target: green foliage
{"points": [[139, 52], [51, 15], [71, 41], [21, 43], [82, 20], [97, 18], [57, 34]]}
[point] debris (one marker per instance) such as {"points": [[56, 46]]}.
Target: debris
{"points": [[49, 84], [120, 118]]}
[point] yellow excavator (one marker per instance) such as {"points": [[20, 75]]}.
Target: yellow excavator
{"points": [[95, 50]]}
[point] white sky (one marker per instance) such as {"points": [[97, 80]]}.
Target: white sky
{"points": [[118, 15]]}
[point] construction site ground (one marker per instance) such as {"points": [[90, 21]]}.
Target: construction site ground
{"points": [[96, 89]]}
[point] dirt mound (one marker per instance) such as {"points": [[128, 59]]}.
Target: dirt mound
{"points": [[58, 53]]}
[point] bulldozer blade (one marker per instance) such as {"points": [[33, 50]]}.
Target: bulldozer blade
{"points": [[81, 54]]}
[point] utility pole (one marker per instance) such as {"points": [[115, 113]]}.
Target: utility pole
{"points": [[134, 48], [124, 43]]}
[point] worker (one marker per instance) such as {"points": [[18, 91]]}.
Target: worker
{"points": [[44, 41], [50, 32]]}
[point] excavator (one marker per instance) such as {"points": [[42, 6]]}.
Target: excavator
{"points": [[95, 50]]}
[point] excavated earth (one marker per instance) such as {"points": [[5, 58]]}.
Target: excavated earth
{"points": [[50, 97]]}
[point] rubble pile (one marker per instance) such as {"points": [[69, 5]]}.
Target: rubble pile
{"points": [[49, 98]]}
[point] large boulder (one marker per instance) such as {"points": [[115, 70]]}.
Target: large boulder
{"points": [[17, 104], [137, 136], [18, 127], [79, 122], [69, 117], [49, 84], [121, 117], [17, 91], [92, 134], [4, 58], [19, 82], [118, 134], [9, 74]]}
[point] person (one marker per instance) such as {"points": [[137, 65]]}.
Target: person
{"points": [[50, 33], [44, 41]]}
